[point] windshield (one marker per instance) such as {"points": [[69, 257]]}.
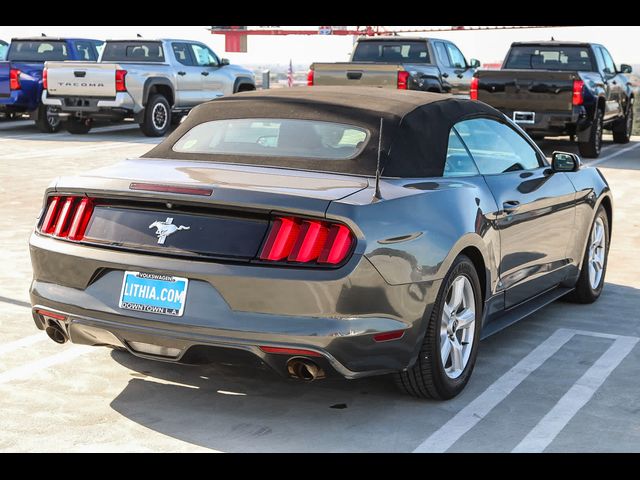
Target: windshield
{"points": [[274, 137], [132, 52], [550, 58], [38, 51], [391, 51]]}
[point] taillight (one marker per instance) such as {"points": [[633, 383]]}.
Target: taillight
{"points": [[14, 79], [44, 79], [473, 91], [120, 83], [297, 240], [403, 80], [578, 92], [67, 217], [310, 78]]}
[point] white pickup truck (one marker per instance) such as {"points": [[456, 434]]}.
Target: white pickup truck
{"points": [[155, 82]]}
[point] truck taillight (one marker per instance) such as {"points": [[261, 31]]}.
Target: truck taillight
{"points": [[67, 217], [403, 80], [14, 79], [473, 91], [295, 240], [578, 92], [310, 78], [44, 79], [120, 81]]}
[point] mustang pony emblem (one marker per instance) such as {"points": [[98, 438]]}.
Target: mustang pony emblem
{"points": [[166, 228]]}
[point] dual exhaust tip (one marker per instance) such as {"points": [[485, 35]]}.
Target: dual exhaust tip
{"points": [[304, 369]]}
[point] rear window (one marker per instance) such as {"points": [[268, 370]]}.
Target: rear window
{"points": [[374, 51], [38, 51], [133, 52], [550, 58], [274, 137]]}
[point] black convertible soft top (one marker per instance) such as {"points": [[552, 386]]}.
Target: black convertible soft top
{"points": [[414, 136]]}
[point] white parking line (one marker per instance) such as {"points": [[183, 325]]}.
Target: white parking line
{"points": [[23, 342], [442, 439], [578, 395], [28, 370], [612, 155]]}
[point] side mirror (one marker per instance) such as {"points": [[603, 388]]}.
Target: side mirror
{"points": [[565, 162], [474, 63], [224, 61], [624, 68]]}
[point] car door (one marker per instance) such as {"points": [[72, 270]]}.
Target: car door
{"points": [[617, 81], [611, 82], [537, 207], [444, 64], [460, 75], [189, 90], [209, 64]]}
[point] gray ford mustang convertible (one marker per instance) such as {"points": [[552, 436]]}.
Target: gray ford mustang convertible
{"points": [[321, 232]]}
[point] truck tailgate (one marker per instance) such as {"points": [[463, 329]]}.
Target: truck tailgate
{"points": [[4, 79], [81, 79], [526, 90], [357, 74]]}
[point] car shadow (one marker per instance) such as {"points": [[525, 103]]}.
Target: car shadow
{"points": [[241, 409]]}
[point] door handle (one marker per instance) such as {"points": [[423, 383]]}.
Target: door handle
{"points": [[510, 206], [182, 74], [445, 74], [204, 73], [614, 82]]}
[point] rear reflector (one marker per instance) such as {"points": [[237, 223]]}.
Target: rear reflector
{"points": [[156, 187], [473, 92], [385, 337], [304, 241], [67, 217], [403, 80], [46, 313], [290, 351]]}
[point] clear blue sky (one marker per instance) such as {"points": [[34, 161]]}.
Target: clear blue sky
{"points": [[487, 46]]}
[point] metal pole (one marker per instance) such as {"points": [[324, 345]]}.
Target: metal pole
{"points": [[266, 79]]}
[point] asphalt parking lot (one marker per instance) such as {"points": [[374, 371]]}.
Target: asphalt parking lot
{"points": [[564, 380]]}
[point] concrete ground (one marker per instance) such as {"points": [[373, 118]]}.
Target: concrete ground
{"points": [[564, 380]]}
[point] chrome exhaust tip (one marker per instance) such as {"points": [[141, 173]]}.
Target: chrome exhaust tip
{"points": [[56, 333], [304, 369]]}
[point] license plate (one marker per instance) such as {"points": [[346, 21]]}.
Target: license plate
{"points": [[153, 293], [524, 117]]}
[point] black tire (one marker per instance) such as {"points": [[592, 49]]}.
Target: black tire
{"points": [[427, 377], [46, 122], [79, 126], [622, 129], [157, 117], [591, 148], [584, 292]]}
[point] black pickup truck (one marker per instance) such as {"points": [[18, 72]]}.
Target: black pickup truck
{"points": [[561, 88]]}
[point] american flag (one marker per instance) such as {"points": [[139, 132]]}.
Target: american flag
{"points": [[290, 75]]}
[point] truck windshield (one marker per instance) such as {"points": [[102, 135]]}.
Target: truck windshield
{"points": [[138, 52], [391, 51], [37, 51], [549, 58], [274, 137]]}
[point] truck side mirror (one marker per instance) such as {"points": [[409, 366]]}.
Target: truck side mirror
{"points": [[474, 63], [565, 162], [224, 61], [624, 68]]}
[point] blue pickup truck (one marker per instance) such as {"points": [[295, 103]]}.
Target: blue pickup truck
{"points": [[21, 74]]}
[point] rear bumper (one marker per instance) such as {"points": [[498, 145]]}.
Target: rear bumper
{"points": [[18, 101], [335, 313], [567, 122], [122, 104]]}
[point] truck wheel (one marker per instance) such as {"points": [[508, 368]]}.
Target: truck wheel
{"points": [[448, 352], [591, 148], [79, 126], [46, 120], [157, 117], [622, 129]]}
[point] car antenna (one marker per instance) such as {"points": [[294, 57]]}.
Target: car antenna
{"points": [[377, 195]]}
